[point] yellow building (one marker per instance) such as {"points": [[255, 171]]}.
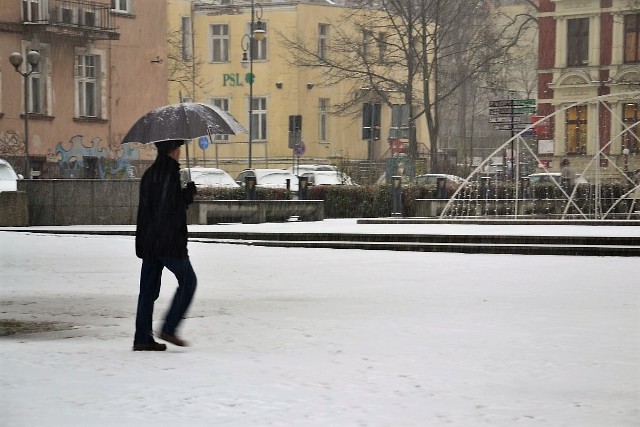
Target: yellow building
{"points": [[279, 90]]}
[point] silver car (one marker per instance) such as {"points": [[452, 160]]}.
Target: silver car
{"points": [[8, 177]]}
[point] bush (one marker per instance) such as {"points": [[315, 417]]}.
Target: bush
{"points": [[375, 201]]}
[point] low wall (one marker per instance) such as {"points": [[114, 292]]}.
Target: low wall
{"points": [[81, 201], [254, 211], [114, 202], [14, 209]]}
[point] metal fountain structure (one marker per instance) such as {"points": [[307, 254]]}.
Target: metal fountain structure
{"points": [[475, 199]]}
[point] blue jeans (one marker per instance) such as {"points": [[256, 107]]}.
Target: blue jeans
{"points": [[150, 278]]}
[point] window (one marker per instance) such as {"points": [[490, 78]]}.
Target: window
{"points": [[87, 73], [259, 119], [186, 40], [37, 82], [371, 121], [88, 18], [123, 6], [258, 48], [219, 43], [33, 10], [382, 47], [578, 42], [66, 15], [323, 106], [366, 44], [576, 124], [223, 104], [399, 121], [632, 38], [323, 40], [631, 138]]}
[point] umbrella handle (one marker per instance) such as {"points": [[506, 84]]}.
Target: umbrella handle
{"points": [[186, 144]]}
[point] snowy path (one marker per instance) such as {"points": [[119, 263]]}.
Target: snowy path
{"points": [[320, 337]]}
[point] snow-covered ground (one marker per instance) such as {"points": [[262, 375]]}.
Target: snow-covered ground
{"points": [[322, 337]]}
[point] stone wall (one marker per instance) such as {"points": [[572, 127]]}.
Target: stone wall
{"points": [[81, 201], [14, 211]]}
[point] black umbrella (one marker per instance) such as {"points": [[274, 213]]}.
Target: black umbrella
{"points": [[186, 120]]}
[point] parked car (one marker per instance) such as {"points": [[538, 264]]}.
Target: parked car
{"points": [[549, 177], [301, 169], [322, 177], [208, 177], [8, 177], [545, 178], [269, 178], [432, 179]]}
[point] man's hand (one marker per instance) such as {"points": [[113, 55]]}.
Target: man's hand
{"points": [[191, 188]]}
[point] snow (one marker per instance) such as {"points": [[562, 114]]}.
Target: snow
{"points": [[323, 337]]}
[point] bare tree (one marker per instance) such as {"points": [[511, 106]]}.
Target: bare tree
{"points": [[419, 50], [183, 68]]}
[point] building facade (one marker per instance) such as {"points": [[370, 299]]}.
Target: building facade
{"points": [[100, 68], [590, 48], [283, 97]]}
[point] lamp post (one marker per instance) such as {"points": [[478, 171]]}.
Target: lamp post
{"points": [[248, 47], [625, 153], [33, 58]]}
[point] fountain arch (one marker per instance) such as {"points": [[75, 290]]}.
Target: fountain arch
{"points": [[600, 188]]}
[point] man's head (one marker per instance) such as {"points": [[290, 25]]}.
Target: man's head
{"points": [[170, 148]]}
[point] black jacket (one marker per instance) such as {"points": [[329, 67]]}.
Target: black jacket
{"points": [[162, 218]]}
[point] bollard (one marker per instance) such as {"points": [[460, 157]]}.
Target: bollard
{"points": [[441, 188], [396, 195], [303, 187], [250, 188]]}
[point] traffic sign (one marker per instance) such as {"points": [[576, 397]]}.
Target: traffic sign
{"points": [[203, 142], [524, 102], [501, 103], [524, 110], [299, 149]]}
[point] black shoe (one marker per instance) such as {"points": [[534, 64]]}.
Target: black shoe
{"points": [[173, 339], [149, 346]]}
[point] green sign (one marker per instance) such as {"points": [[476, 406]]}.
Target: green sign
{"points": [[524, 102], [524, 110], [250, 78]]}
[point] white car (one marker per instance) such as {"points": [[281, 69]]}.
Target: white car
{"points": [[432, 179], [321, 177], [270, 178], [545, 178], [302, 169], [8, 177], [208, 177]]}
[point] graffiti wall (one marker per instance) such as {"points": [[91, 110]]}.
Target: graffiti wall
{"points": [[80, 158]]}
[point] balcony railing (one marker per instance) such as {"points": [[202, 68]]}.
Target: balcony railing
{"points": [[78, 18]]}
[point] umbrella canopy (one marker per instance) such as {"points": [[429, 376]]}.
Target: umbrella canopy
{"points": [[186, 120]]}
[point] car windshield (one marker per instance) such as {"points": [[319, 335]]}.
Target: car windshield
{"points": [[275, 178]]}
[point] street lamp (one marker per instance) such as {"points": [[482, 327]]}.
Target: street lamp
{"points": [[33, 58], [248, 48], [625, 153]]}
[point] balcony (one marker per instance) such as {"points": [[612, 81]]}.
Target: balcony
{"points": [[72, 18]]}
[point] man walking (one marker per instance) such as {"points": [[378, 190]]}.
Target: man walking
{"points": [[161, 241]]}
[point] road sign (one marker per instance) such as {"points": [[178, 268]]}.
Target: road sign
{"points": [[501, 103], [509, 119], [299, 149], [524, 110], [507, 126], [497, 111], [524, 102], [203, 142]]}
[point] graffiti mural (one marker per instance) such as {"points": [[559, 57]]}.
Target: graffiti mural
{"points": [[11, 144], [94, 159]]}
